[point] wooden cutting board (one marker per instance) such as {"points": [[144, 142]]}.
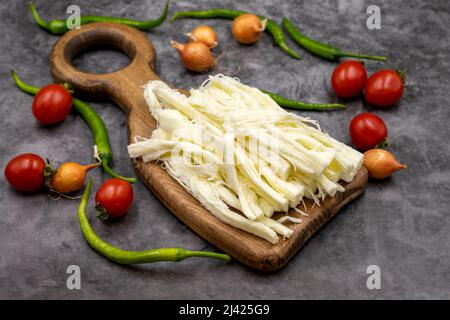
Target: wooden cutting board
{"points": [[124, 88]]}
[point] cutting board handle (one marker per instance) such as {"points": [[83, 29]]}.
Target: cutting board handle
{"points": [[123, 86]]}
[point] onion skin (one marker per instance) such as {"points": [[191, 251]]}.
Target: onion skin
{"points": [[248, 28], [381, 163], [195, 56], [70, 176], [204, 34]]}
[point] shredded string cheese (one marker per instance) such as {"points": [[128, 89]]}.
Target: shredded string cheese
{"points": [[241, 155]]}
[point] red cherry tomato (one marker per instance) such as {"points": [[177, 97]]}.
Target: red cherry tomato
{"points": [[348, 79], [52, 104], [384, 88], [367, 131], [115, 196], [25, 172]]}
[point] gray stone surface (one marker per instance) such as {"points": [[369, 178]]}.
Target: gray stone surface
{"points": [[401, 224]]}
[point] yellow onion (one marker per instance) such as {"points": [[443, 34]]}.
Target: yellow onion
{"points": [[70, 176], [248, 28], [381, 163], [204, 34], [195, 56]]}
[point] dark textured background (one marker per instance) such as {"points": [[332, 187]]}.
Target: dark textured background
{"points": [[401, 224]]}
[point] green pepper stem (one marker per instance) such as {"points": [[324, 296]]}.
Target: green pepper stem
{"points": [[207, 254], [300, 105], [43, 24], [110, 172], [360, 56]]}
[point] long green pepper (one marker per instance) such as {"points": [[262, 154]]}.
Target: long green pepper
{"points": [[95, 123], [271, 27], [60, 26], [322, 50], [133, 257], [300, 105]]}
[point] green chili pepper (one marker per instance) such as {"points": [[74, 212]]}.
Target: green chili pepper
{"points": [[132, 257], [60, 26], [322, 50], [299, 105], [271, 27], [94, 122]]}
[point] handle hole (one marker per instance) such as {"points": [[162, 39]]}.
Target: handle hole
{"points": [[101, 61], [99, 50]]}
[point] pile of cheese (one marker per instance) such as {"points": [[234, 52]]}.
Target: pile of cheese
{"points": [[241, 155]]}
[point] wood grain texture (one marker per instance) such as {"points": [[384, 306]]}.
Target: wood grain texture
{"points": [[124, 88]]}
